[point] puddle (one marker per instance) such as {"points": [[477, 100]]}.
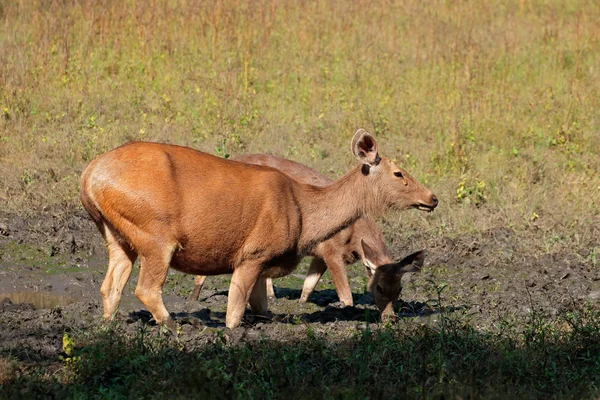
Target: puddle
{"points": [[39, 300]]}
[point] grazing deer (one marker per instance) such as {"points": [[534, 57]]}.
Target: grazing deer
{"points": [[204, 215], [334, 254], [385, 277]]}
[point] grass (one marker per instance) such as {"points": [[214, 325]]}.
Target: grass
{"points": [[554, 357], [492, 104]]}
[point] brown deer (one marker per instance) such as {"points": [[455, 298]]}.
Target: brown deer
{"points": [[385, 283], [204, 215], [334, 254]]}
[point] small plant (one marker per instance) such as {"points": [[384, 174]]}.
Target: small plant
{"points": [[471, 192], [221, 150], [26, 178], [534, 216], [381, 124], [91, 122], [594, 256], [411, 161], [68, 347]]}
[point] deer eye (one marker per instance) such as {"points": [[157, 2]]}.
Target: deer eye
{"points": [[398, 174]]}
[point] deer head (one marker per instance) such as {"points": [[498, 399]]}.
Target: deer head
{"points": [[385, 283], [393, 186]]}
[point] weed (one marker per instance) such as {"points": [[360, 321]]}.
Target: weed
{"points": [[471, 193], [221, 150]]}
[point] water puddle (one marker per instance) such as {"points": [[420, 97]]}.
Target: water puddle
{"points": [[39, 300]]}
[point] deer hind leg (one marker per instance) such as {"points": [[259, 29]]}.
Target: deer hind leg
{"points": [[154, 266], [242, 284], [258, 297], [315, 272], [198, 283], [120, 262], [339, 276]]}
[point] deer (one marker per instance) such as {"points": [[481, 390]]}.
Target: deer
{"points": [[385, 276], [334, 254], [178, 207]]}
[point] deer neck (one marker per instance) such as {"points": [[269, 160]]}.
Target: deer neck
{"points": [[330, 209]]}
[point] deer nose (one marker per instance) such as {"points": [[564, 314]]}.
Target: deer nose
{"points": [[435, 200]]}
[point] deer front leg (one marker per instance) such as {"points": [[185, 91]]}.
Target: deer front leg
{"points": [[315, 272], [243, 281]]}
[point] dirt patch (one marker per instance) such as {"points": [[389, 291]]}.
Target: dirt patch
{"points": [[52, 233], [485, 276]]}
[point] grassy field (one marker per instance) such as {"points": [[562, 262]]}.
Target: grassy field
{"points": [[494, 105]]}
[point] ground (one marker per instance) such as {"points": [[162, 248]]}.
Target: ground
{"points": [[52, 266]]}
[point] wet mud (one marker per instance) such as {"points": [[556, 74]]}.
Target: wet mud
{"points": [[52, 266]]}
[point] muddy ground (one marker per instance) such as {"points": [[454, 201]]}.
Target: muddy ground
{"points": [[52, 266]]}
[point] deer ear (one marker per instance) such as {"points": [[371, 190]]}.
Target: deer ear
{"points": [[411, 263], [364, 148], [368, 257]]}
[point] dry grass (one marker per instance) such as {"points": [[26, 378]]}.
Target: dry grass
{"points": [[493, 104], [7, 370]]}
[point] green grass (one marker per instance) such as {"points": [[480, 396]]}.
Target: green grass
{"points": [[492, 104], [552, 357]]}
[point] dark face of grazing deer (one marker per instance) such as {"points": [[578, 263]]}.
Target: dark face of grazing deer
{"points": [[385, 283]]}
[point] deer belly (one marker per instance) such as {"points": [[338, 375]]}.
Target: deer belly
{"points": [[198, 263], [281, 266]]}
